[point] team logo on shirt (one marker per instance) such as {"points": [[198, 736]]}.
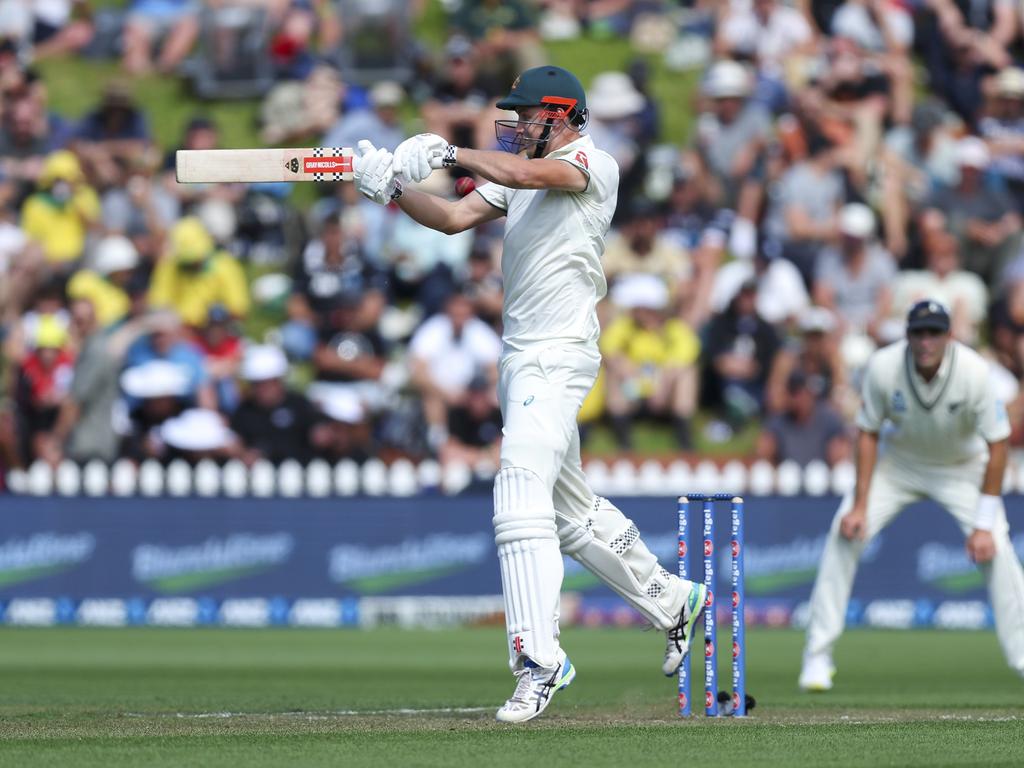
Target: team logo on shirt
{"points": [[954, 407], [581, 158], [899, 402]]}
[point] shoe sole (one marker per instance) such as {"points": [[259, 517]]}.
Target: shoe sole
{"points": [[567, 677], [697, 606]]}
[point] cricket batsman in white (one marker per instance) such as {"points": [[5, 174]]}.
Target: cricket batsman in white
{"points": [[557, 192], [944, 436]]}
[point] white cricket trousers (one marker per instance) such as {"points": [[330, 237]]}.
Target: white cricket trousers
{"points": [[895, 485], [544, 507]]}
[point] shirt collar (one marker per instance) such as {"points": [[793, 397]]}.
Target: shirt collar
{"points": [[572, 146]]}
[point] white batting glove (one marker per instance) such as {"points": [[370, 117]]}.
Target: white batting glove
{"points": [[374, 175], [418, 156]]}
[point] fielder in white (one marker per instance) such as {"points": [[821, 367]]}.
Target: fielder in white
{"points": [[944, 436], [557, 192]]}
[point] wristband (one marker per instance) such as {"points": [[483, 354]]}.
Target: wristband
{"points": [[989, 508], [449, 158], [397, 191]]}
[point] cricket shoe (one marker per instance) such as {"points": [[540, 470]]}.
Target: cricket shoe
{"points": [[534, 689], [817, 673], [677, 639]]}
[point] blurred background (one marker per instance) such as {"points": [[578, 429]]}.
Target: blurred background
{"points": [[794, 175]]}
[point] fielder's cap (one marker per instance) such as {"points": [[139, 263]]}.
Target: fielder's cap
{"points": [[1010, 83], [157, 378], [114, 253], [856, 220], [640, 291], [343, 405], [534, 86], [928, 314], [972, 152], [727, 79], [51, 333], [190, 242], [197, 429], [613, 96], [386, 93], [263, 362]]}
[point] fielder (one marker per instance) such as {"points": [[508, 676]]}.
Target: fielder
{"points": [[557, 192], [944, 437]]}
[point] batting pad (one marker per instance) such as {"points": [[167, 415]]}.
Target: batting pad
{"points": [[531, 566]]}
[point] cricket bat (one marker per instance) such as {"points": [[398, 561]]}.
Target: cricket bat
{"points": [[263, 165]]}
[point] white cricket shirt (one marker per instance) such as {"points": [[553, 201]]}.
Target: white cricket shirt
{"points": [[551, 260], [948, 420]]}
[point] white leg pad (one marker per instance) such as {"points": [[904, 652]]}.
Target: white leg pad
{"points": [[531, 566], [609, 545]]}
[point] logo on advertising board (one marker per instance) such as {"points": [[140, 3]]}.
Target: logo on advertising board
{"points": [[947, 567], [214, 561], [43, 554], [369, 569]]}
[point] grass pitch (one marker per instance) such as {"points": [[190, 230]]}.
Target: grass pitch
{"points": [[80, 697]]}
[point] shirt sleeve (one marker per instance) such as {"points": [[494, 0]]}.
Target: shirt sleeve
{"points": [[872, 407], [601, 170], [990, 412], [495, 194]]}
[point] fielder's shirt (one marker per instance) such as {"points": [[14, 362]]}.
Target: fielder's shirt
{"points": [[551, 261], [945, 421]]}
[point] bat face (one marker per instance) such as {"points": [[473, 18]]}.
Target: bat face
{"points": [[325, 164]]}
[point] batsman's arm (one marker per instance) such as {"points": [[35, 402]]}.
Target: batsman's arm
{"points": [[519, 173], [445, 215]]}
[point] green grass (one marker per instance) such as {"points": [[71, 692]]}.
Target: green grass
{"points": [[266, 697]]}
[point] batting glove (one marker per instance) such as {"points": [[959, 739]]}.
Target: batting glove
{"points": [[417, 157], [374, 175]]}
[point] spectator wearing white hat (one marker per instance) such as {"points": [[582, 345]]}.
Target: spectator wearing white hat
{"points": [[155, 391], [813, 350], [732, 133], [348, 432], [196, 434], [854, 279], [770, 31], [650, 360], [380, 121], [1002, 127], [983, 218], [114, 260], [272, 422], [615, 107]]}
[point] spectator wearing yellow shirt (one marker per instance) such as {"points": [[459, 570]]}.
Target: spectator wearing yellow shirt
{"points": [[113, 263], [61, 212], [651, 360], [194, 276]]}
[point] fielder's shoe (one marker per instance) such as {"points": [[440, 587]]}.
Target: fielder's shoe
{"points": [[678, 638], [534, 689], [817, 673]]}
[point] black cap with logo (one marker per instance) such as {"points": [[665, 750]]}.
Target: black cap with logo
{"points": [[928, 315]]}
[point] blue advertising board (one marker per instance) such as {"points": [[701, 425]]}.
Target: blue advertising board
{"points": [[135, 560]]}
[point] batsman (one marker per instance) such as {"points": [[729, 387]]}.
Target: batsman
{"points": [[557, 192], [930, 427]]}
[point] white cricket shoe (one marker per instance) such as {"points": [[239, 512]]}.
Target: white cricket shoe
{"points": [[677, 639], [817, 673], [534, 689]]}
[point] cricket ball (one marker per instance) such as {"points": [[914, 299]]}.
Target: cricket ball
{"points": [[464, 185]]}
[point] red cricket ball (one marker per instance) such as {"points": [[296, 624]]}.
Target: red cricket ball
{"points": [[464, 185]]}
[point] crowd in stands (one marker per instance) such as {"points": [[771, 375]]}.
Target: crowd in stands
{"points": [[846, 159]]}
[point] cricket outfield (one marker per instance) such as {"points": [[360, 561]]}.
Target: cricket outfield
{"points": [[154, 697]]}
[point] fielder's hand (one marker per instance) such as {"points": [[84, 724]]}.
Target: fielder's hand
{"points": [[981, 547], [417, 157], [373, 174], [854, 525]]}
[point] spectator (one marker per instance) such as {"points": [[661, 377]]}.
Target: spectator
{"points": [[814, 353], [484, 286], [332, 266], [982, 218], [474, 427], [61, 27], [166, 342], [650, 361], [19, 257], [459, 106], [115, 133], [1003, 130], [137, 206], [806, 430], [175, 21], [615, 108], [348, 430], [942, 279], [114, 260], [380, 122], [643, 247], [155, 390], [62, 212], [221, 346], [504, 35], [195, 435], [768, 31], [294, 110], [43, 382], [272, 422], [855, 279], [739, 352], [445, 354], [194, 276], [25, 137], [781, 295]]}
